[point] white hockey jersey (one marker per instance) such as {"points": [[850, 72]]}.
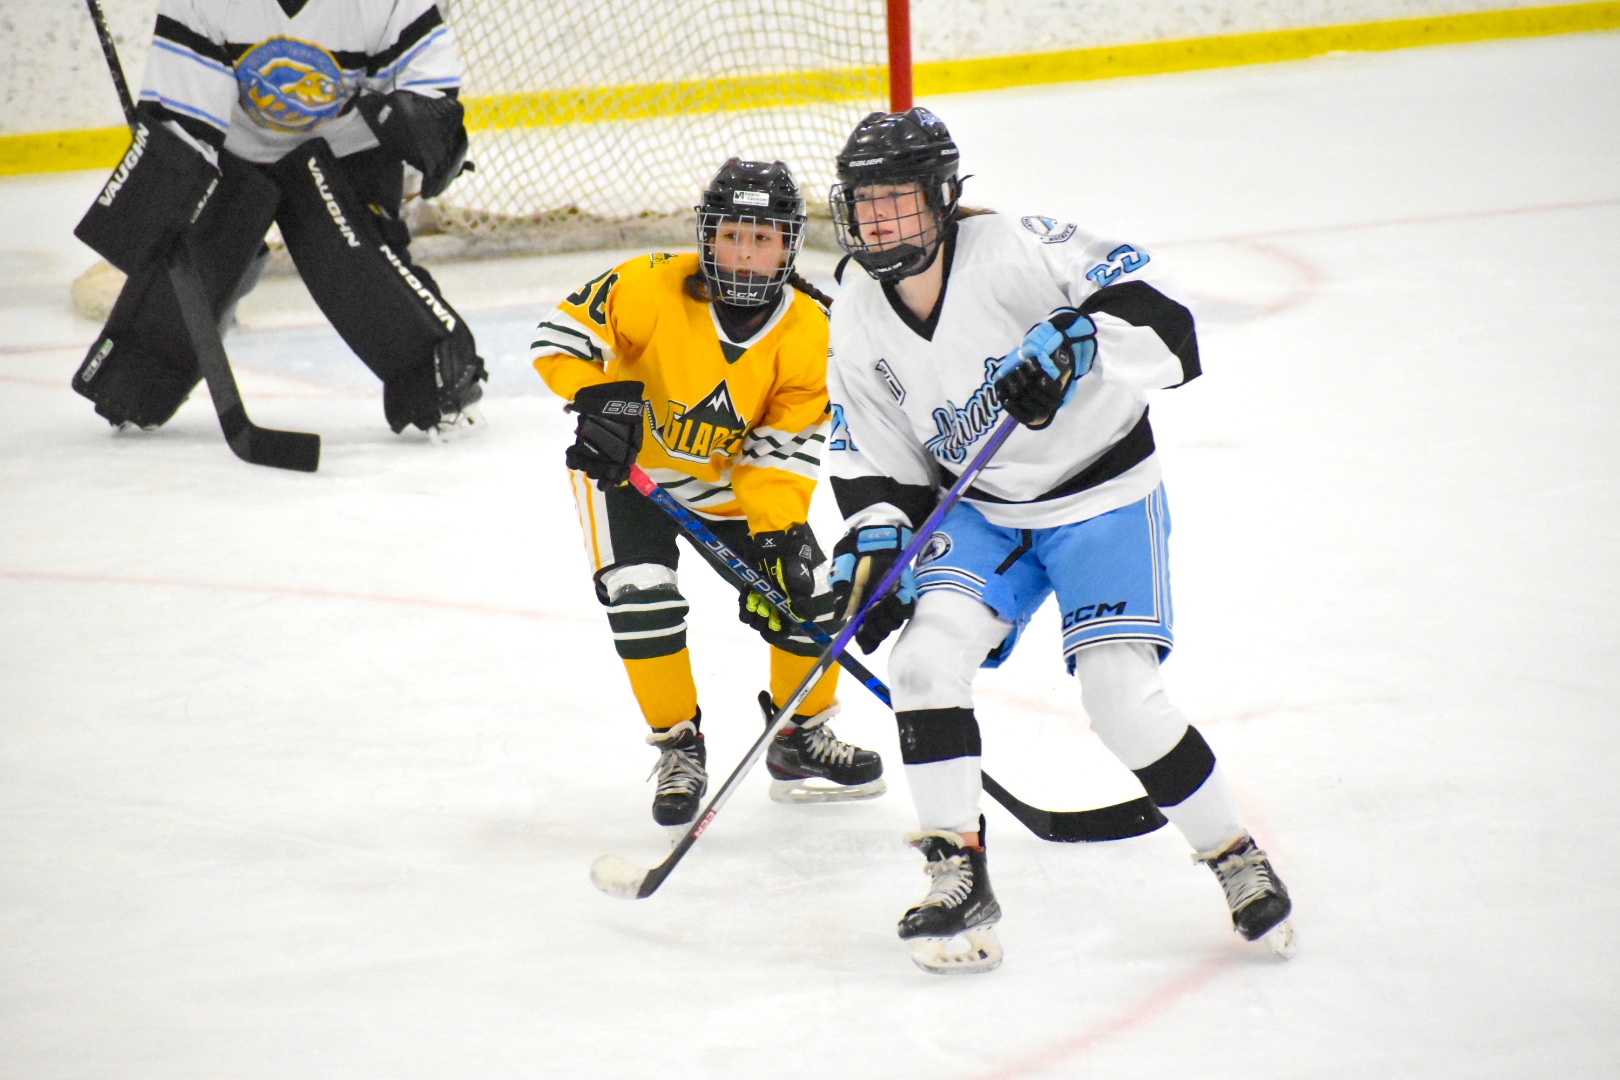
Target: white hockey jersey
{"points": [[913, 401], [258, 77]]}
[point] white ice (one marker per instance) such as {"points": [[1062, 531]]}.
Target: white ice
{"points": [[301, 775]]}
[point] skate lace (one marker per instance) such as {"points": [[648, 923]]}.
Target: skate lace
{"points": [[678, 771], [826, 747], [952, 881], [1245, 875]]}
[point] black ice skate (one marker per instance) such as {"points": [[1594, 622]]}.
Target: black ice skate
{"points": [[809, 764], [959, 903], [682, 778], [1255, 894]]}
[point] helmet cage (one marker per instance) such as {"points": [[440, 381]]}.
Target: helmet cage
{"points": [[920, 231], [887, 154], [753, 194], [743, 287]]}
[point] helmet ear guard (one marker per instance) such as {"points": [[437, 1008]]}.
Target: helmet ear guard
{"points": [[751, 193]]}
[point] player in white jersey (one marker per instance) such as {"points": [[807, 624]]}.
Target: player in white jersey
{"points": [[305, 113], [962, 316]]}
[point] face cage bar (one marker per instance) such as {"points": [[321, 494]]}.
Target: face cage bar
{"points": [[746, 288], [914, 237]]}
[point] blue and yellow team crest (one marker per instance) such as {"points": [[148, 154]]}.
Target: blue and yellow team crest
{"points": [[289, 85]]}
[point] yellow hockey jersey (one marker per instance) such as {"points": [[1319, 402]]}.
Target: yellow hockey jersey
{"points": [[735, 429]]}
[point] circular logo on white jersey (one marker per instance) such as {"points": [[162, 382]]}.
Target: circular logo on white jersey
{"points": [[1049, 230], [289, 85], [938, 546]]}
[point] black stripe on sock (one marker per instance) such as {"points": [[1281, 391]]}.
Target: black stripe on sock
{"points": [[937, 735], [1174, 777]]}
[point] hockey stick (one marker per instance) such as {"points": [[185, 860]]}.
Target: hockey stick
{"points": [[253, 444], [619, 877], [1118, 822]]}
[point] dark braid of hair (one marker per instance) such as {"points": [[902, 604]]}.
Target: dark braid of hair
{"points": [[798, 282]]}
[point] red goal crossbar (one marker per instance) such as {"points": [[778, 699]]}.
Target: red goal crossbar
{"points": [[899, 55]]}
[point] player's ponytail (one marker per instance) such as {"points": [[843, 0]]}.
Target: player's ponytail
{"points": [[797, 281]]}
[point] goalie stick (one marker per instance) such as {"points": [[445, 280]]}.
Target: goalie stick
{"points": [[1120, 821], [253, 444]]}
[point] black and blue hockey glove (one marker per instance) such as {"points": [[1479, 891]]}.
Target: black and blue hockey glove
{"points": [[1036, 378], [608, 436], [861, 560], [788, 557]]}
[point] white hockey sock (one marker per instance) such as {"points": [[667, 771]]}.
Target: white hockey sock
{"points": [[931, 670], [946, 794], [1131, 713]]}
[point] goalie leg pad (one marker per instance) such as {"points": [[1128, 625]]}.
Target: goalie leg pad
{"points": [[339, 219], [386, 308], [142, 365]]}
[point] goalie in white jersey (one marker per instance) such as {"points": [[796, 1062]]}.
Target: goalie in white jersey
{"points": [[960, 316], [304, 113]]}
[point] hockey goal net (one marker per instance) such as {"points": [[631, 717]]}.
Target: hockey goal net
{"points": [[597, 125]]}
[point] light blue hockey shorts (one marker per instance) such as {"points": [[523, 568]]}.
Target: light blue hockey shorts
{"points": [[1111, 573]]}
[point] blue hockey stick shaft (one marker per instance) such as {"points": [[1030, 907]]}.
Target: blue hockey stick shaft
{"points": [[749, 575], [616, 876]]}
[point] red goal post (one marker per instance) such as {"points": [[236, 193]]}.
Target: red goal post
{"points": [[596, 126]]}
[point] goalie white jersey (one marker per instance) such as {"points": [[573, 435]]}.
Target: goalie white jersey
{"points": [[258, 77], [912, 401]]}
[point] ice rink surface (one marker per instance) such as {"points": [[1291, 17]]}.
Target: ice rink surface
{"points": [[300, 775]]}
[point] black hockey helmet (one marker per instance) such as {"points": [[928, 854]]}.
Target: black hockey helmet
{"points": [[889, 150], [754, 193]]}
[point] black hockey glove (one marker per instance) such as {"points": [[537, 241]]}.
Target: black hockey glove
{"points": [[426, 133], [860, 561], [608, 436], [788, 557], [1036, 378]]}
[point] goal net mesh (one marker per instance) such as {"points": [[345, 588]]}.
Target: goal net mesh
{"points": [[598, 125]]}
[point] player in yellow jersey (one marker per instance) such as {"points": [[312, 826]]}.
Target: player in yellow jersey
{"points": [[711, 373]]}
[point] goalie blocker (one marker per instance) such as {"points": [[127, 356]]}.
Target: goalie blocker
{"points": [[351, 254]]}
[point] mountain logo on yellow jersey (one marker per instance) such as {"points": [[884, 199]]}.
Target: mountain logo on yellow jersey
{"points": [[712, 426]]}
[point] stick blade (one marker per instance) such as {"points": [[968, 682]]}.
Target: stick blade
{"points": [[293, 450], [1137, 817], [618, 877]]}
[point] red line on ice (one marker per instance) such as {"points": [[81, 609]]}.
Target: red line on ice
{"points": [[1147, 1008]]}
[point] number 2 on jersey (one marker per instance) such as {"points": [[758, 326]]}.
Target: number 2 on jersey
{"points": [[1127, 259]]}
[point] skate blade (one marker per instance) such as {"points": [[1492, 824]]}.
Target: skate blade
{"points": [[811, 790], [1282, 939], [467, 423], [978, 951]]}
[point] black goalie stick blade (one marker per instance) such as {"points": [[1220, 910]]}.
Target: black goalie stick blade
{"points": [[1137, 817], [253, 444]]}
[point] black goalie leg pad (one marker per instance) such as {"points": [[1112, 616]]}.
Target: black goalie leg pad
{"points": [[142, 366], [359, 273], [425, 396]]}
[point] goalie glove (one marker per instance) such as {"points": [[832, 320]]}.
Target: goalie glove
{"points": [[788, 557], [608, 435], [426, 133], [861, 560], [1036, 378]]}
